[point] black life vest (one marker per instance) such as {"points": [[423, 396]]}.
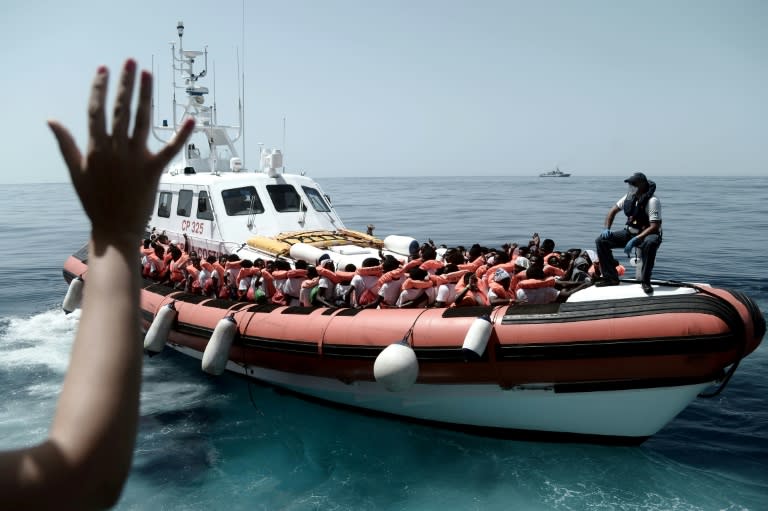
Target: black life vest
{"points": [[635, 207]]}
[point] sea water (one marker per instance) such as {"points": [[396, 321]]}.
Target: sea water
{"points": [[225, 443]]}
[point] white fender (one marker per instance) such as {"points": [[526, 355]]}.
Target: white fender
{"points": [[158, 331], [308, 253], [216, 352], [396, 367], [477, 337], [74, 295], [404, 245]]}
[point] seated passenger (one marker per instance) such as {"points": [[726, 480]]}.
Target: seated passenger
{"points": [[389, 284], [326, 288], [470, 291], [365, 284], [209, 277], [498, 288], [244, 278], [292, 281], [309, 288], [344, 287], [154, 268], [418, 290], [428, 257], [193, 274], [232, 267], [446, 289], [536, 288], [176, 267], [552, 265], [521, 265]]}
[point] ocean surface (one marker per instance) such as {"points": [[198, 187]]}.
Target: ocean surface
{"points": [[224, 443]]}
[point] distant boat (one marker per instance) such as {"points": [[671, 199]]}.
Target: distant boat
{"points": [[555, 173]]}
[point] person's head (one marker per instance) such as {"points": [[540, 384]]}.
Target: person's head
{"points": [[450, 268], [328, 265], [547, 246], [246, 263], [311, 272], [501, 277], [195, 260], [534, 272], [475, 251], [233, 257], [454, 256], [222, 259], [522, 263], [147, 242], [581, 264], [390, 263], [427, 252], [536, 261], [350, 267], [300, 264], [523, 251], [418, 274], [175, 252], [637, 181], [258, 263], [210, 259], [370, 262], [159, 250], [553, 260]]}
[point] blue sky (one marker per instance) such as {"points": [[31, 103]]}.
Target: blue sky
{"points": [[420, 87]]}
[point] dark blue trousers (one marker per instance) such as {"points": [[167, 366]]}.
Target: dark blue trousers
{"points": [[647, 249]]}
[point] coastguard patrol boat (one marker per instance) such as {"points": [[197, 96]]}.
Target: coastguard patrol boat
{"points": [[555, 173], [609, 365]]}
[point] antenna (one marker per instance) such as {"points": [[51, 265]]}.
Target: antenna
{"points": [[284, 146], [152, 104], [157, 87], [214, 93], [241, 98]]}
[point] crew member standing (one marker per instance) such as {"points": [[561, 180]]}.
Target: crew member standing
{"points": [[641, 232]]}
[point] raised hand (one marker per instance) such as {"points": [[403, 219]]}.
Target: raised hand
{"points": [[117, 178]]}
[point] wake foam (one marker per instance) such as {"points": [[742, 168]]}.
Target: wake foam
{"points": [[43, 339]]}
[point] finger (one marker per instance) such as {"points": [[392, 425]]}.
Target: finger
{"points": [[166, 153], [143, 109], [72, 156], [97, 123], [122, 115]]}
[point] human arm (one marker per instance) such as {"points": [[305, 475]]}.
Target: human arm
{"points": [[86, 458], [608, 222]]}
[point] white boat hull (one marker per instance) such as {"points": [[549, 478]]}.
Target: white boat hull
{"points": [[632, 413]]}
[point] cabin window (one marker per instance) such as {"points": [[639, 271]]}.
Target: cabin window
{"points": [[242, 201], [204, 208], [285, 198], [164, 204], [184, 207], [316, 199]]}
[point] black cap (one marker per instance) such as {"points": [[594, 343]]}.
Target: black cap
{"points": [[637, 177]]}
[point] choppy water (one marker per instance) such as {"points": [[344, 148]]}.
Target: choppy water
{"points": [[224, 443]]}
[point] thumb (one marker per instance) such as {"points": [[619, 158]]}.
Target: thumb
{"points": [[72, 156]]}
